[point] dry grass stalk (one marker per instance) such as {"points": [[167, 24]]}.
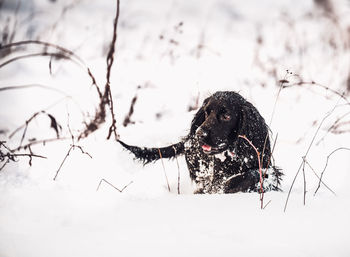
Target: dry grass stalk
{"points": [[119, 190], [261, 181], [166, 177]]}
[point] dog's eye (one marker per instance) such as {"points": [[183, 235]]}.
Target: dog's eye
{"points": [[225, 117]]}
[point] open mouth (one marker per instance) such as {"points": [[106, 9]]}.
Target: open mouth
{"points": [[208, 149]]}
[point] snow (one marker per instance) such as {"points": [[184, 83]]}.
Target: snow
{"points": [[217, 49]]}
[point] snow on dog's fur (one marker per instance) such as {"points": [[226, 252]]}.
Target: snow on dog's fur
{"points": [[218, 159]]}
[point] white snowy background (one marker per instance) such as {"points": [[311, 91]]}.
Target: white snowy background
{"points": [[171, 53]]}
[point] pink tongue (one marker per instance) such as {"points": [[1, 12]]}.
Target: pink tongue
{"points": [[206, 148]]}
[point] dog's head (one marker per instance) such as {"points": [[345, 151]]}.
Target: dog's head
{"points": [[222, 118]]}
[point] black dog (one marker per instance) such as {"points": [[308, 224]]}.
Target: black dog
{"points": [[220, 148]]}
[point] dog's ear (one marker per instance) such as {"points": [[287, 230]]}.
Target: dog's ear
{"points": [[253, 126], [199, 118]]}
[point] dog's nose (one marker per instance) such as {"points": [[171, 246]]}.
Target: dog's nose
{"points": [[201, 133]]}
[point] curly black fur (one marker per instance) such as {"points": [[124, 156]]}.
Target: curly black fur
{"points": [[218, 158]]}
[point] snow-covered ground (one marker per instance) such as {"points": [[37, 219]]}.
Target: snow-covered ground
{"points": [[169, 53]]}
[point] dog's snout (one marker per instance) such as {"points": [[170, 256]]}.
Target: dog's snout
{"points": [[201, 133]]}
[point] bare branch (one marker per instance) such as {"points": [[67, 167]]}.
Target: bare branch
{"points": [[57, 55], [15, 87], [110, 55], [119, 190], [260, 171], [72, 147], [127, 119], [25, 126], [307, 152], [36, 142], [67, 53], [106, 98], [166, 177], [282, 82], [304, 179], [313, 83], [325, 167], [334, 127], [110, 60], [8, 156], [54, 125], [178, 172], [308, 164]]}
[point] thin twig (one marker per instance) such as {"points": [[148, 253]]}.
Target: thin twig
{"points": [[43, 141], [267, 204], [304, 179], [260, 171], [284, 80], [333, 128], [166, 177], [105, 98], [110, 55], [119, 190], [307, 152], [315, 173], [72, 147], [53, 54], [25, 126], [34, 85], [54, 125], [67, 53], [127, 119], [325, 167], [178, 172], [34, 116], [110, 61], [313, 83], [29, 155], [5, 163], [8, 155], [272, 151]]}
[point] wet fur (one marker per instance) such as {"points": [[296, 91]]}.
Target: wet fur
{"points": [[233, 168]]}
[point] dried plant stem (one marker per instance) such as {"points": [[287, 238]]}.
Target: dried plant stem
{"points": [[52, 54], [64, 52], [14, 87], [273, 112], [333, 128], [43, 141], [313, 83], [127, 119], [119, 190], [306, 153], [7, 155], [110, 60], [272, 151], [267, 204], [304, 179], [25, 126], [308, 164], [54, 123], [260, 171], [106, 98], [166, 177], [178, 172], [281, 86], [325, 166], [72, 147]]}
